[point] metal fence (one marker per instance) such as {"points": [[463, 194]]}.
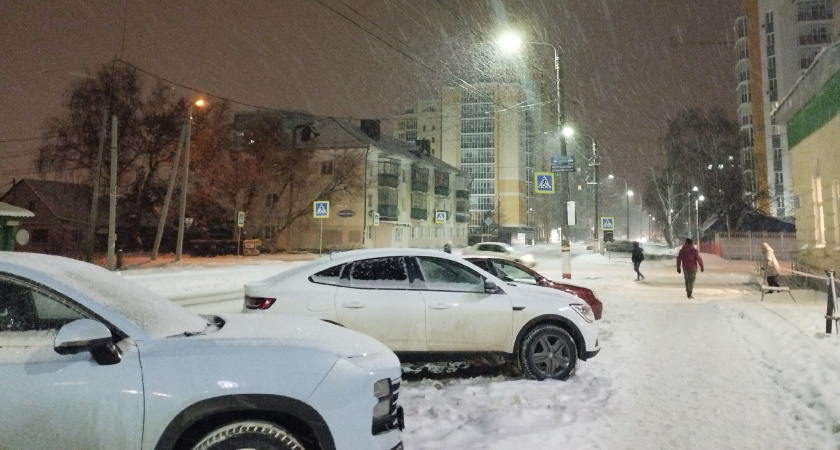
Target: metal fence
{"points": [[747, 245]]}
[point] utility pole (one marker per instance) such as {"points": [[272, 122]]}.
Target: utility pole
{"points": [[165, 211], [112, 220]]}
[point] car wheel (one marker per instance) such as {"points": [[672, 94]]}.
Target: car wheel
{"points": [[548, 352], [249, 434]]}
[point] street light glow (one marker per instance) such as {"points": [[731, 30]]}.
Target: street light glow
{"points": [[510, 42]]}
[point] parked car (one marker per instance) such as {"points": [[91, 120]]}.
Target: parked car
{"points": [[619, 246], [501, 250], [429, 305], [513, 271], [90, 360]]}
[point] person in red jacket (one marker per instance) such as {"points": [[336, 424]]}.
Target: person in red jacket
{"points": [[689, 258]]}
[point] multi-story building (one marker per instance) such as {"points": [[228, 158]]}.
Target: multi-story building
{"points": [[777, 40], [394, 193], [485, 131], [809, 113]]}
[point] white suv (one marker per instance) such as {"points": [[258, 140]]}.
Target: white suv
{"points": [[91, 360]]}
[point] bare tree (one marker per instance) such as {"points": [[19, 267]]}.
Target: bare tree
{"points": [[147, 136]]}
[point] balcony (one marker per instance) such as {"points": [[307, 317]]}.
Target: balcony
{"points": [[388, 212], [389, 180], [461, 217], [419, 213], [462, 193], [419, 185], [442, 191]]}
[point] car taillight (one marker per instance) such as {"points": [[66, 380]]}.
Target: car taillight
{"points": [[259, 302]]}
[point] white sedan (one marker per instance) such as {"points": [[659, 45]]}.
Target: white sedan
{"points": [[90, 360], [500, 250], [433, 306]]}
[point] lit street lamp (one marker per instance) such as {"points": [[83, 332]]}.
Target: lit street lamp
{"points": [[511, 42], [183, 210], [627, 194], [595, 163]]}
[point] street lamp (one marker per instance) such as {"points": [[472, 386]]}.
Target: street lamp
{"points": [[183, 210], [697, 199], [627, 194], [511, 42], [595, 163]]}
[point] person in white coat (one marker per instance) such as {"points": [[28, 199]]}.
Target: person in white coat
{"points": [[770, 265]]}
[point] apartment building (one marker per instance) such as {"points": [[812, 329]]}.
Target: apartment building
{"points": [[488, 131], [777, 41]]}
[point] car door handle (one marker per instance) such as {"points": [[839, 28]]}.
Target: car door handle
{"points": [[353, 305], [439, 306]]}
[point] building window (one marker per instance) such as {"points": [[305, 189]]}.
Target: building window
{"points": [[819, 212], [40, 236], [398, 234], [835, 200], [326, 168], [814, 10]]}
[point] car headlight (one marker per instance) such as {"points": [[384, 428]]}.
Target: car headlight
{"points": [[528, 258], [387, 415], [585, 311]]}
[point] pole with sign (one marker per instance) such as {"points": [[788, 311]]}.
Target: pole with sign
{"points": [[321, 210], [240, 222]]}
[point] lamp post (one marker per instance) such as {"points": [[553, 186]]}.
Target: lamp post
{"points": [[697, 199], [512, 42], [595, 162], [183, 209], [627, 194]]}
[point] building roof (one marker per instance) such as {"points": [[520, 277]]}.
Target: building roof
{"points": [[7, 210], [750, 220], [334, 133], [66, 201]]}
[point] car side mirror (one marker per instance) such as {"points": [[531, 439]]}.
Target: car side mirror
{"points": [[87, 335], [491, 288]]}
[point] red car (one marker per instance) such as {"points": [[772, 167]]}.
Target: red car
{"points": [[513, 271]]}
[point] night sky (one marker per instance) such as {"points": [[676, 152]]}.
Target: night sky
{"points": [[629, 65]]}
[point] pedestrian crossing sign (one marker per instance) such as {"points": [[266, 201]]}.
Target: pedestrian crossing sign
{"points": [[543, 182], [607, 223], [440, 216], [321, 209]]}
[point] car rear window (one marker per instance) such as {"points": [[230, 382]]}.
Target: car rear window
{"points": [[328, 276]]}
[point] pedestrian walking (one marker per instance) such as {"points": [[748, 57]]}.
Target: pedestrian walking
{"points": [[637, 256], [688, 260], [447, 247], [770, 265]]}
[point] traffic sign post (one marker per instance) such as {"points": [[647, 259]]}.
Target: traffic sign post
{"points": [[240, 222], [321, 210], [440, 216], [543, 183]]}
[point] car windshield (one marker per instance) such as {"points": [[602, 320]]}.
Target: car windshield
{"points": [[155, 314]]}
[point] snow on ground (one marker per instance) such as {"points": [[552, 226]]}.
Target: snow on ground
{"points": [[722, 371]]}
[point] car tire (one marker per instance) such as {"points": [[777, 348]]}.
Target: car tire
{"points": [[548, 352], [249, 434]]}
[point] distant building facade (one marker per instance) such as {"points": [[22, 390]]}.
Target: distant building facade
{"points": [[777, 40], [402, 197], [485, 131]]}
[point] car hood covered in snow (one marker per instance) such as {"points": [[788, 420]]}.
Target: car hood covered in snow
{"points": [[296, 331]]}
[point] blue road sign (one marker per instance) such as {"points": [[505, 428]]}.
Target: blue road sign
{"points": [[321, 209], [543, 182], [607, 223], [440, 216]]}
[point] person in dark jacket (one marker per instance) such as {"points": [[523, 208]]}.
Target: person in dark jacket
{"points": [[689, 258], [637, 256], [447, 247]]}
